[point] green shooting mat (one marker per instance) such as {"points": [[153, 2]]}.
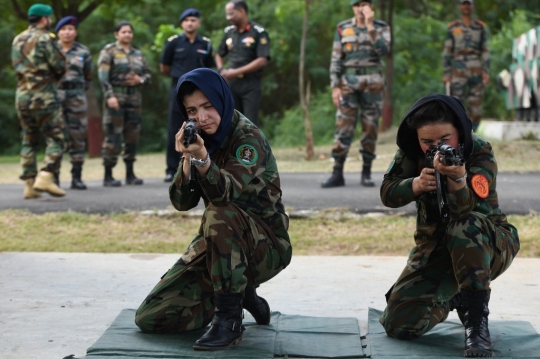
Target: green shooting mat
{"points": [[510, 339], [291, 336]]}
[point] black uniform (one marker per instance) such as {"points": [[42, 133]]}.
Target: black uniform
{"points": [[182, 56], [244, 47]]}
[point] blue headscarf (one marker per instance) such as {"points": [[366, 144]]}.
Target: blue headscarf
{"points": [[216, 89]]}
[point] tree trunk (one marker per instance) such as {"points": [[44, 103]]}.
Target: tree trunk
{"points": [[305, 90], [387, 12]]}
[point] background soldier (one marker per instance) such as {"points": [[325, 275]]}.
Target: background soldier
{"points": [[466, 61], [39, 64], [72, 87], [181, 54], [248, 45], [122, 71], [357, 82]]}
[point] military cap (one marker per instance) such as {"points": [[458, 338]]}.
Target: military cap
{"points": [[189, 12], [68, 20], [354, 2], [469, 1], [40, 10]]}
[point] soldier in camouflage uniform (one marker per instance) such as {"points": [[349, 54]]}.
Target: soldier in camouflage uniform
{"points": [[357, 82], [72, 90], [39, 64], [243, 239], [453, 263], [466, 61], [122, 71]]}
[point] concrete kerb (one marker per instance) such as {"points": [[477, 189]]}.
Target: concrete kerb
{"points": [[57, 304]]}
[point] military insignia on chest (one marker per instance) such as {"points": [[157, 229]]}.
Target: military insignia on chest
{"points": [[229, 43], [247, 154], [248, 41], [457, 31], [120, 55], [348, 32]]}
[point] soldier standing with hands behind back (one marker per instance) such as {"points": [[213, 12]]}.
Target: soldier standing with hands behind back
{"points": [[357, 82], [466, 61], [181, 54], [39, 64]]}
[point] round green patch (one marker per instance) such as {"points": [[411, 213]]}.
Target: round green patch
{"points": [[247, 154]]}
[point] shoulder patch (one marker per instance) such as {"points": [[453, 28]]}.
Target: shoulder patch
{"points": [[108, 46], [481, 23], [480, 185], [171, 38], [247, 154], [52, 35], [450, 24], [206, 39], [380, 22], [345, 22], [259, 28], [228, 28]]}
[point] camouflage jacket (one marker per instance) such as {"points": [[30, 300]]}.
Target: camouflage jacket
{"points": [[464, 42], [114, 64], [39, 64], [481, 167], [354, 46], [79, 66], [244, 172]]}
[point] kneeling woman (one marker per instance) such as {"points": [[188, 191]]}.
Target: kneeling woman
{"points": [[453, 263], [243, 239]]}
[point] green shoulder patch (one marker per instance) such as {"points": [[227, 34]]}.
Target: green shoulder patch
{"points": [[247, 154]]}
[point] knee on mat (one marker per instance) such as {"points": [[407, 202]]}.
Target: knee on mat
{"points": [[400, 328]]}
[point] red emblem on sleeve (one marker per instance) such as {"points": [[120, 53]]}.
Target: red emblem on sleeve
{"points": [[480, 185]]}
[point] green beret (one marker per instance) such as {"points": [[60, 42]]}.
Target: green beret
{"points": [[40, 10], [354, 2]]}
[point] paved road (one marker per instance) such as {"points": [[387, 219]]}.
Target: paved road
{"points": [[518, 194]]}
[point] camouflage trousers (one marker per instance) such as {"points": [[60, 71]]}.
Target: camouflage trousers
{"points": [[124, 123], [471, 254], [74, 108], [362, 92], [230, 252], [34, 123], [468, 87]]}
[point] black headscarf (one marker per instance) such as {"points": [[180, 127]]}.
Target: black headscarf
{"points": [[407, 138], [216, 89]]}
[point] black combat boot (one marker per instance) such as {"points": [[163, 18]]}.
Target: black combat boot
{"points": [[76, 182], [130, 176], [365, 180], [337, 179], [109, 180], [257, 306], [226, 328], [476, 311]]}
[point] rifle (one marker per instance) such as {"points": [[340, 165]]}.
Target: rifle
{"points": [[190, 136], [449, 156]]}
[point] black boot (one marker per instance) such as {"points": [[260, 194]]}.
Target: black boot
{"points": [[456, 303], [365, 180], [130, 176], [226, 328], [337, 179], [257, 306], [477, 338], [76, 182], [109, 181]]}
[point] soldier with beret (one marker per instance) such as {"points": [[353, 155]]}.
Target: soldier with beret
{"points": [[122, 71], [72, 90], [357, 83], [248, 46], [39, 64], [182, 53], [466, 60]]}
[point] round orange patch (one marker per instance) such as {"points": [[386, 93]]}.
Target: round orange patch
{"points": [[480, 185]]}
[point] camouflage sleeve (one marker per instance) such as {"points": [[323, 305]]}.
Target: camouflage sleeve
{"points": [[182, 198], [485, 51], [447, 53], [87, 69], [482, 162], [55, 57], [104, 67], [396, 189], [336, 60], [223, 185], [147, 75], [381, 40]]}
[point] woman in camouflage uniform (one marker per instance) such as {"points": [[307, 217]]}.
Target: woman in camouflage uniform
{"points": [[243, 239], [122, 71], [453, 263]]}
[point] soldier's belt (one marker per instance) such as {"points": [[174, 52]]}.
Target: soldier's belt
{"points": [[125, 89], [362, 70], [467, 57], [70, 86]]}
